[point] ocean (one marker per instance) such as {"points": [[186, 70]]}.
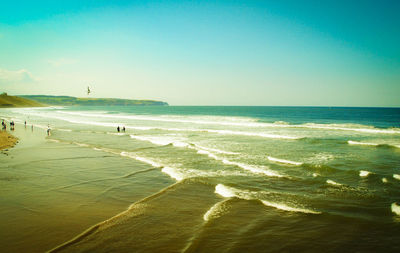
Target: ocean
{"points": [[214, 178]]}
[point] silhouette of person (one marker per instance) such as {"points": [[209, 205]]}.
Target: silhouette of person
{"points": [[118, 129]]}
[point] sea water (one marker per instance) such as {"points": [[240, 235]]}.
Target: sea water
{"points": [[242, 179]]}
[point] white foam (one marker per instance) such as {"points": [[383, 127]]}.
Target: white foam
{"points": [[254, 169], [238, 121], [364, 173], [225, 191], [160, 140], [384, 180], [273, 159], [180, 144], [265, 135], [142, 159], [315, 174], [229, 192], [219, 151], [396, 176], [165, 141], [223, 132], [358, 128], [118, 134], [333, 182], [217, 210], [373, 144], [174, 173], [205, 152], [362, 143], [395, 208], [215, 120], [285, 207]]}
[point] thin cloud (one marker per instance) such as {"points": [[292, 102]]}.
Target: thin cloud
{"points": [[16, 76]]}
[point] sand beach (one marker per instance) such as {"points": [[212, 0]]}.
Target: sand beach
{"points": [[7, 140], [52, 191]]}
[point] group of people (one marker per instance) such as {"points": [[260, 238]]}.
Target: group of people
{"points": [[12, 125], [4, 126], [123, 129]]}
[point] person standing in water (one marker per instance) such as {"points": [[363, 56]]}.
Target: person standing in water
{"points": [[123, 129], [118, 129]]}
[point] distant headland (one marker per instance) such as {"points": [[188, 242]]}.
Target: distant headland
{"points": [[15, 101], [44, 100]]}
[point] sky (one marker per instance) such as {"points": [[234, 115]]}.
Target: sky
{"points": [[277, 53]]}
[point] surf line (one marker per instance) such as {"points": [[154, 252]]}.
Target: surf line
{"points": [[109, 222]]}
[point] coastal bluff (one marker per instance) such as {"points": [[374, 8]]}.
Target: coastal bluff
{"points": [[15, 101], [71, 101]]}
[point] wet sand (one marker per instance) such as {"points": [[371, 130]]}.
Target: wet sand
{"points": [[53, 191], [7, 140]]}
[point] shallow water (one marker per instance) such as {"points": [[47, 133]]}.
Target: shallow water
{"points": [[239, 178]]}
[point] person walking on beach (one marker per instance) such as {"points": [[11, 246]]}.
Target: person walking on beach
{"points": [[123, 129], [118, 129], [48, 130], [25, 123]]}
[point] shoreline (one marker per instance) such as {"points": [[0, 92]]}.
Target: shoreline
{"points": [[73, 188], [7, 140]]}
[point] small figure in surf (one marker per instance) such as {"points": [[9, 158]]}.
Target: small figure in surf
{"points": [[48, 130], [25, 123], [118, 129], [32, 128], [123, 129], [4, 125]]}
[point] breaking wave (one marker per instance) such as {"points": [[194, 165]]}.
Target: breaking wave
{"points": [[331, 182], [282, 161], [229, 192], [372, 144], [239, 121], [216, 210], [395, 208], [364, 173]]}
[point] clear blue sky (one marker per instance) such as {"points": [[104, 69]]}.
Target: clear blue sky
{"points": [[329, 53]]}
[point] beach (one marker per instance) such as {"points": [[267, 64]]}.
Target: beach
{"points": [[51, 192], [6, 140], [201, 179]]}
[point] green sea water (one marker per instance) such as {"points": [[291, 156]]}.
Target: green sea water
{"points": [[202, 179]]}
